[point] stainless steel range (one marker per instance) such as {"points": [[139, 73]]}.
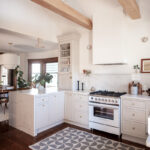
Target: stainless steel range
{"points": [[104, 111]]}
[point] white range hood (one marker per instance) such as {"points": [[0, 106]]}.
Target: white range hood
{"points": [[9, 60], [107, 38]]}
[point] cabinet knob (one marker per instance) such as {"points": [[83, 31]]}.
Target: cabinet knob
{"points": [[43, 105], [42, 99], [133, 115], [80, 116], [133, 128], [80, 106], [133, 104]]}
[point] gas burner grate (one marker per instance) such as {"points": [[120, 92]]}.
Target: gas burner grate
{"points": [[108, 93]]}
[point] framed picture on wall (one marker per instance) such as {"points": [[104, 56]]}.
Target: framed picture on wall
{"points": [[145, 65]]}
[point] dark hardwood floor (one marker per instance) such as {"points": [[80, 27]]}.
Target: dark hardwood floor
{"points": [[13, 139]]}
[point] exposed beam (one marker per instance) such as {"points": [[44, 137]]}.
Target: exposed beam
{"points": [[66, 11], [131, 8]]}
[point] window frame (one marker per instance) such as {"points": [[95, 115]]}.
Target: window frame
{"points": [[43, 64]]}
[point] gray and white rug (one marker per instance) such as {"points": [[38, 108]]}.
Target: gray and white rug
{"points": [[73, 139]]}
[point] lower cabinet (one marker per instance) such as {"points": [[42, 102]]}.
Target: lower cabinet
{"points": [[134, 119], [36, 113], [76, 109], [33, 114], [49, 111]]}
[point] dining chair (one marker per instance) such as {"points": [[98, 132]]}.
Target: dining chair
{"points": [[4, 100]]}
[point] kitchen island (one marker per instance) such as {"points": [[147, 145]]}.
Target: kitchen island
{"points": [[33, 112]]}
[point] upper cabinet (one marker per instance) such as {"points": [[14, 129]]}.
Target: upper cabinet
{"points": [[68, 61], [107, 37]]}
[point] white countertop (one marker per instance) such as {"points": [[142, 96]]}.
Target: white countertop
{"points": [[36, 92], [49, 91], [78, 92], [142, 97]]}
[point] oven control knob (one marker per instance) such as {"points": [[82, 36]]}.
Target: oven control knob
{"points": [[113, 101], [116, 101], [96, 99], [91, 97]]}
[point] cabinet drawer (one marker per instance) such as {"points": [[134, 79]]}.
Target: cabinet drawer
{"points": [[134, 104], [81, 106], [134, 114], [41, 99], [81, 118], [134, 129]]}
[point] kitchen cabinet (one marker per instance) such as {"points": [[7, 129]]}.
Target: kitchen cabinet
{"points": [[135, 112], [76, 109], [68, 61], [33, 113], [42, 112]]}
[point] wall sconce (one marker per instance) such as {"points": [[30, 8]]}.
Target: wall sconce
{"points": [[89, 47], [144, 39]]}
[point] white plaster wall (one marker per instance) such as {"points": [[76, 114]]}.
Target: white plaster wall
{"points": [[24, 65]]}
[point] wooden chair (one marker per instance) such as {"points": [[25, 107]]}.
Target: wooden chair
{"points": [[4, 100]]}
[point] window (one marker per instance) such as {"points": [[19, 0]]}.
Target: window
{"points": [[36, 69], [48, 65], [52, 68], [4, 75]]}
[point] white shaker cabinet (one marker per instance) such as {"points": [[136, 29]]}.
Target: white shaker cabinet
{"points": [[76, 109], [34, 113], [134, 112], [41, 112]]}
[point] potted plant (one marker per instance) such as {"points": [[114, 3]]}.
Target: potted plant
{"points": [[136, 68], [41, 79], [21, 82]]}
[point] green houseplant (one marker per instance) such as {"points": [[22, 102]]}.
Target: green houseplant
{"points": [[21, 82], [41, 79]]}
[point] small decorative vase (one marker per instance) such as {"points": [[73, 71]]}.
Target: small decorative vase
{"points": [[40, 88]]}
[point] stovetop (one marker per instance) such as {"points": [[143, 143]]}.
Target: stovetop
{"points": [[107, 93]]}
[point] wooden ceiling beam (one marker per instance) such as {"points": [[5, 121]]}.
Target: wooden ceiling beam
{"points": [[131, 8], [66, 11]]}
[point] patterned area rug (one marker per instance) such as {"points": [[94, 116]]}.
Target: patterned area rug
{"points": [[73, 139]]}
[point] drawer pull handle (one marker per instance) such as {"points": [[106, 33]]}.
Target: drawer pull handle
{"points": [[133, 128], [133, 115]]}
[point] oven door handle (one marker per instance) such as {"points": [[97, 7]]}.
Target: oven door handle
{"points": [[103, 105]]}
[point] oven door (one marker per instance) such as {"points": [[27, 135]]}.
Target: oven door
{"points": [[104, 114]]}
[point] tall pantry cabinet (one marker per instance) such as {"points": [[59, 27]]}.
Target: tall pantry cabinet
{"points": [[68, 61]]}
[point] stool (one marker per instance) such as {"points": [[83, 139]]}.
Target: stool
{"points": [[5, 102]]}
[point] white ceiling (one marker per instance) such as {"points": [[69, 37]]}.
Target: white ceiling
{"points": [[23, 43], [29, 18]]}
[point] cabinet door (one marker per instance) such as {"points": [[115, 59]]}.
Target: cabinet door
{"points": [[80, 103], [65, 81], [68, 106], [42, 115], [56, 108], [59, 106]]}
